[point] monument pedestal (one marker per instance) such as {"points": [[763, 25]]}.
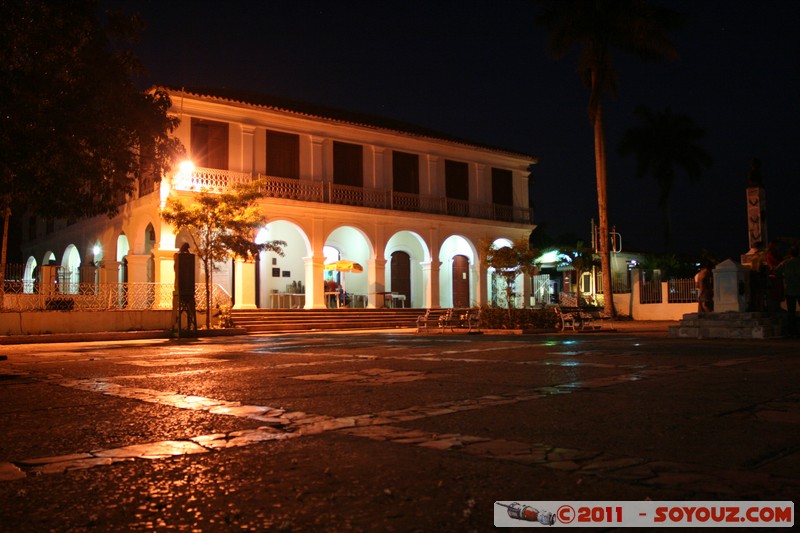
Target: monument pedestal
{"points": [[728, 325]]}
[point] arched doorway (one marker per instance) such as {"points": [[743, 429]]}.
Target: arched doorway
{"points": [[401, 275], [149, 244], [281, 279], [69, 274], [460, 281], [122, 258], [29, 277]]}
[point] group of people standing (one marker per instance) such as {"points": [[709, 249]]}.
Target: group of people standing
{"points": [[774, 278]]}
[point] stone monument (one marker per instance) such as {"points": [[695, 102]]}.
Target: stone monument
{"points": [[756, 213], [730, 318]]}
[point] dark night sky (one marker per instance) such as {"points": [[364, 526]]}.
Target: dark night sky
{"points": [[479, 70]]}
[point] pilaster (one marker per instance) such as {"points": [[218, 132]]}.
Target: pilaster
{"points": [[315, 282], [245, 288]]}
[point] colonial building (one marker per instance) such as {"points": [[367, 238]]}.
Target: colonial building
{"points": [[408, 204]]}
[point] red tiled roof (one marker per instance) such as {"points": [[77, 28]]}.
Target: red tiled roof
{"points": [[319, 111]]}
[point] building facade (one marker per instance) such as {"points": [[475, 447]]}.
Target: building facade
{"points": [[407, 204]]}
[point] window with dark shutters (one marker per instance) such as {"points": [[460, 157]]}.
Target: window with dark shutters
{"points": [[456, 176], [283, 154], [348, 166], [405, 172], [502, 189], [210, 144]]}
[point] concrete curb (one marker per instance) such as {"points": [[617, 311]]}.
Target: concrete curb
{"points": [[113, 336]]}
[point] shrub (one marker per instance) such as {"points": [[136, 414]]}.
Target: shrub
{"points": [[498, 318]]}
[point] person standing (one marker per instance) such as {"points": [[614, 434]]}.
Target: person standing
{"points": [[704, 280], [790, 268], [773, 258]]}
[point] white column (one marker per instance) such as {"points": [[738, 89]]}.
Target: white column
{"points": [[137, 267], [430, 282], [165, 277], [245, 288], [315, 282], [479, 272], [376, 281]]}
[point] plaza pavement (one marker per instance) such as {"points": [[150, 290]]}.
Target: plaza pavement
{"points": [[387, 431]]}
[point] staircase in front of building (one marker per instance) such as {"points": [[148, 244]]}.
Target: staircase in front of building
{"points": [[309, 320]]}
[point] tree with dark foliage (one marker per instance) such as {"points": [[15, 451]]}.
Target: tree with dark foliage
{"points": [[76, 132]]}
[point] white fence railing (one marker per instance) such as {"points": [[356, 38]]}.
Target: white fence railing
{"points": [[27, 296]]}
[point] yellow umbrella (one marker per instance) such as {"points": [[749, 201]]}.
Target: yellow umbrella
{"points": [[344, 265]]}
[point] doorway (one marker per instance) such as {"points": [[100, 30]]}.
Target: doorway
{"points": [[401, 275], [460, 281]]}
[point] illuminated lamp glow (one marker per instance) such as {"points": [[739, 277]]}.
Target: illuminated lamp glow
{"points": [[186, 167]]}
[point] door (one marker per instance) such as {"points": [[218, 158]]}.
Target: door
{"points": [[401, 276], [460, 281]]}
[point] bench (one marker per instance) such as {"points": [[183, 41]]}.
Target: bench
{"points": [[450, 319], [567, 319], [454, 318], [583, 318], [426, 321]]}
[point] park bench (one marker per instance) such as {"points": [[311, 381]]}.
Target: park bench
{"points": [[464, 318], [583, 318], [427, 321]]}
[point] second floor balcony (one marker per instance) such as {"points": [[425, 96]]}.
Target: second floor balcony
{"points": [[216, 180]]}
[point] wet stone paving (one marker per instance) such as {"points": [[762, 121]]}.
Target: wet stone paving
{"points": [[642, 415]]}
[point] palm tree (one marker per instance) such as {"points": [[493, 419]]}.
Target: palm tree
{"points": [[663, 141], [582, 259], [597, 27]]}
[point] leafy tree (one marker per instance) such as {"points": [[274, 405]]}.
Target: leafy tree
{"points": [[76, 133], [597, 27], [583, 259], [663, 141], [509, 262], [221, 225]]}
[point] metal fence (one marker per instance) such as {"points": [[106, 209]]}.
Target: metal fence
{"points": [[678, 291], [79, 290], [682, 291], [649, 289]]}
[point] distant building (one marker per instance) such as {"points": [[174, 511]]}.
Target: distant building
{"points": [[408, 204]]}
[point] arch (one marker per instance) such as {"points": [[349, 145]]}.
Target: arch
{"points": [[412, 244], [123, 247], [69, 274], [276, 274], [496, 284], [29, 275], [353, 244], [149, 240], [456, 245]]}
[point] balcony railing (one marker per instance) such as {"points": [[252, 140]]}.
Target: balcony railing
{"points": [[214, 180]]}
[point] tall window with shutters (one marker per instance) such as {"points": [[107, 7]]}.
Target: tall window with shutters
{"points": [[405, 172], [210, 143], [348, 164], [283, 154]]}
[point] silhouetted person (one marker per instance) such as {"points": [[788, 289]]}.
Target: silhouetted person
{"points": [[704, 280], [790, 268]]}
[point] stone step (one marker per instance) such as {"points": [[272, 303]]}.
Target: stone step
{"points": [[728, 325], [293, 320]]}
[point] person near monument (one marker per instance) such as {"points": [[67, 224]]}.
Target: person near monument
{"points": [[790, 269], [772, 259], [704, 281]]}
